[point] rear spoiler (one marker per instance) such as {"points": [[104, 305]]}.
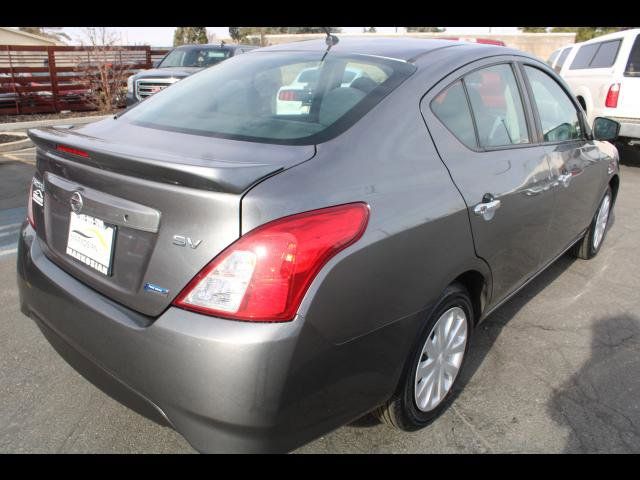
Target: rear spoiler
{"points": [[150, 163]]}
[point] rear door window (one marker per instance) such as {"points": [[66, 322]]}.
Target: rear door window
{"points": [[558, 115], [633, 64], [452, 109], [497, 107], [584, 56], [606, 55], [596, 55]]}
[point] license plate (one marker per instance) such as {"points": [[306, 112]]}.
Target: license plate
{"points": [[91, 242]]}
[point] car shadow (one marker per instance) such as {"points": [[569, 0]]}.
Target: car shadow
{"points": [[599, 403]]}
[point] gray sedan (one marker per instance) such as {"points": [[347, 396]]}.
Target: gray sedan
{"points": [[255, 278]]}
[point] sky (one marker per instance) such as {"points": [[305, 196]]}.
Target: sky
{"points": [[163, 36]]}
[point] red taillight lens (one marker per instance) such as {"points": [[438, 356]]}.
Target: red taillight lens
{"points": [[32, 222], [288, 95], [612, 96], [264, 275], [73, 151]]}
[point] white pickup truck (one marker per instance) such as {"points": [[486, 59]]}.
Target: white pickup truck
{"points": [[604, 74]]}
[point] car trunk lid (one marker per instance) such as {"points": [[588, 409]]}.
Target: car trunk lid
{"points": [[171, 200]]}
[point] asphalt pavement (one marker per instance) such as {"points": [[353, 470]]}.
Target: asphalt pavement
{"points": [[554, 370]]}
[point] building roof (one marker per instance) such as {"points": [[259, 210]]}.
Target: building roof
{"points": [[15, 31]]}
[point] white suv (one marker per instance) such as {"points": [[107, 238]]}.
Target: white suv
{"points": [[604, 74], [295, 98]]}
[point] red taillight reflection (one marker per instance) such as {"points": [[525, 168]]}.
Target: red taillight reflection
{"points": [[288, 95]]}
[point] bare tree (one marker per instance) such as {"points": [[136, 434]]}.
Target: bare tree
{"points": [[103, 69]]}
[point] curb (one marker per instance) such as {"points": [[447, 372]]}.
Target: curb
{"points": [[7, 127]]}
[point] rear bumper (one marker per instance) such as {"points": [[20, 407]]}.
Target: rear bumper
{"points": [[629, 127], [216, 382], [226, 386]]}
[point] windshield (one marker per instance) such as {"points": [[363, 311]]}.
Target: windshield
{"points": [[259, 97], [194, 57]]}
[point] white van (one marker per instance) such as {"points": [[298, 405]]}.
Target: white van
{"points": [[604, 74]]}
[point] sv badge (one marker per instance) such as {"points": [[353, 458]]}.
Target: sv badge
{"points": [[182, 241]]}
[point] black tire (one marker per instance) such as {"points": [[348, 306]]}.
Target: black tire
{"points": [[401, 411], [585, 248]]}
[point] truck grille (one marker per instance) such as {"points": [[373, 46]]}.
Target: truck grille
{"points": [[147, 87]]}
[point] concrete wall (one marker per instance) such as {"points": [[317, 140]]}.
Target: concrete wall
{"points": [[539, 44]]}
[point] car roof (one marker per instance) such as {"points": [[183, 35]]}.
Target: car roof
{"points": [[405, 49]]}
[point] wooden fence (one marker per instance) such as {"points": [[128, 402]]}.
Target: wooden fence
{"points": [[49, 79]]}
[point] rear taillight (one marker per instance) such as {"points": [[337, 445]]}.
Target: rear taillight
{"points": [[264, 275], [289, 95], [612, 96], [32, 222], [73, 151]]}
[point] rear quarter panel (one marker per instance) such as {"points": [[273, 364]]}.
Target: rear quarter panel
{"points": [[418, 238]]}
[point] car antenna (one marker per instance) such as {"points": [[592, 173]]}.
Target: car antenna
{"points": [[331, 40]]}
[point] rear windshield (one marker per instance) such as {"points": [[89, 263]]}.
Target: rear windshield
{"points": [[633, 65], [194, 57], [260, 97]]}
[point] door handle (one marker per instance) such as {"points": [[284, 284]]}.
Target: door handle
{"points": [[487, 209]]}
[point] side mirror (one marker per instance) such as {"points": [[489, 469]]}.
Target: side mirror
{"points": [[605, 129]]}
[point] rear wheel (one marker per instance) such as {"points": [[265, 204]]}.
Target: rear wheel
{"points": [[589, 246], [434, 367]]}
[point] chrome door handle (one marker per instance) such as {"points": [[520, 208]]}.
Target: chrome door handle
{"points": [[487, 209], [565, 179]]}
